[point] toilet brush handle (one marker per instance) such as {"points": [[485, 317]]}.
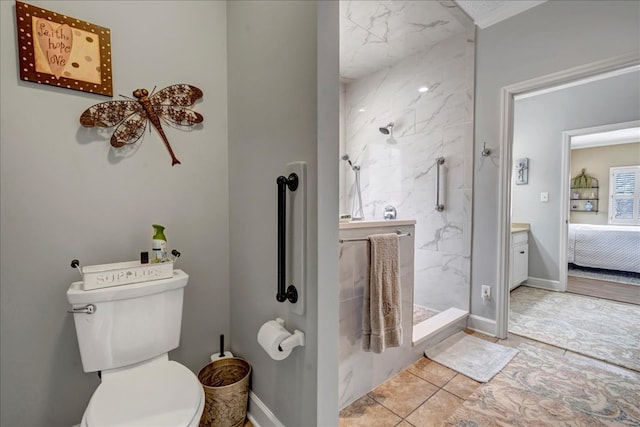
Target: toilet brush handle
{"points": [[221, 345]]}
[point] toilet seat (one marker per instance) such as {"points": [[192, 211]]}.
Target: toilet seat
{"points": [[158, 394]]}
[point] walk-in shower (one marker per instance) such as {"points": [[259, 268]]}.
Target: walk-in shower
{"points": [[396, 128]]}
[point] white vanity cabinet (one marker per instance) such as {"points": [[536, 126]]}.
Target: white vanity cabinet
{"points": [[519, 258]]}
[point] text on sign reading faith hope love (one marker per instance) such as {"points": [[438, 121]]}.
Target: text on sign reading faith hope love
{"points": [[55, 44]]}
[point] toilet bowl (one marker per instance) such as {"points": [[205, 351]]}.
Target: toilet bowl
{"points": [[127, 336], [160, 393]]}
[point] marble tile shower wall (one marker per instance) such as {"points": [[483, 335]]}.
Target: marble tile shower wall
{"points": [[399, 169]]}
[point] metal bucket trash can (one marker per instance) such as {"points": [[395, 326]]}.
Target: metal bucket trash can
{"points": [[226, 389]]}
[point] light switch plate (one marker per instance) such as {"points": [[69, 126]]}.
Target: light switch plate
{"points": [[544, 196]]}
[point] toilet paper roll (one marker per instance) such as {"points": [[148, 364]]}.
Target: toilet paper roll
{"points": [[270, 335]]}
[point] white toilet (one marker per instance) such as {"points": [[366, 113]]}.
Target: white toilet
{"points": [[127, 337]]}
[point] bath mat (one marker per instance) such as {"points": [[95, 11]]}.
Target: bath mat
{"points": [[476, 358]]}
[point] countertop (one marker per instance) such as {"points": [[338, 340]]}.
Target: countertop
{"points": [[517, 227]]}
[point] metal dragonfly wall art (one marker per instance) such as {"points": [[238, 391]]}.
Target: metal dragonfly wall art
{"points": [[130, 117]]}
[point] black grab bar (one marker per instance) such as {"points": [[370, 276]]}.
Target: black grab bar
{"points": [[289, 293]]}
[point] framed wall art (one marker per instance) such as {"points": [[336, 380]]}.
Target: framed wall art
{"points": [[62, 51], [522, 171]]}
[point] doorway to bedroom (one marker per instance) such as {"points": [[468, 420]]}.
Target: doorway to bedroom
{"points": [[598, 313], [541, 201], [569, 138], [604, 231]]}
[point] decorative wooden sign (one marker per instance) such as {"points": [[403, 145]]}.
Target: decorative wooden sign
{"points": [[61, 51], [131, 116]]}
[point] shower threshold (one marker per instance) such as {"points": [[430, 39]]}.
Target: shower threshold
{"points": [[437, 323]]}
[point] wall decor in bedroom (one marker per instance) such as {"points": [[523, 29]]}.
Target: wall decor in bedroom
{"points": [[131, 116], [59, 50], [585, 193]]}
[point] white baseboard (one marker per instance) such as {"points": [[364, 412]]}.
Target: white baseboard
{"points": [[259, 414], [252, 419], [482, 324], [551, 285]]}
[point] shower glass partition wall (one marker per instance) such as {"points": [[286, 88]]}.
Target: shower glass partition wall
{"points": [[411, 63]]}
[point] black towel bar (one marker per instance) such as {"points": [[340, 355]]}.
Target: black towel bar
{"points": [[289, 293]]}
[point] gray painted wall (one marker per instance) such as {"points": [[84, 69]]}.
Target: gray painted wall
{"points": [[554, 36], [273, 96], [64, 195], [327, 205], [538, 125]]}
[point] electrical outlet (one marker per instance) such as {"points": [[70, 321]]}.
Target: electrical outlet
{"points": [[486, 291]]}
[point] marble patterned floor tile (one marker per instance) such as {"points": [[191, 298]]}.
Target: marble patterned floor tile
{"points": [[366, 412], [421, 313], [514, 341], [403, 393], [461, 386], [432, 371], [539, 388], [436, 410], [481, 336], [610, 332], [572, 357]]}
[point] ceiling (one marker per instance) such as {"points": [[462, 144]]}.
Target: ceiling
{"points": [[377, 33], [486, 13], [614, 137]]}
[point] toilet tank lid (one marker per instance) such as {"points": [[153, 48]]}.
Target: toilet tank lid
{"points": [[76, 295], [160, 394]]}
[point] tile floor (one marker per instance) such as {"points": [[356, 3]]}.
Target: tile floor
{"points": [[422, 313], [423, 395]]}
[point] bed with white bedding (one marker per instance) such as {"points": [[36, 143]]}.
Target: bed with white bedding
{"points": [[612, 247]]}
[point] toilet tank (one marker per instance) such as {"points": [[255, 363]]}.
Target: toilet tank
{"points": [[130, 324]]}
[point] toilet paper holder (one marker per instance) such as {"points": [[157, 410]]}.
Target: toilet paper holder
{"points": [[296, 339], [277, 341]]}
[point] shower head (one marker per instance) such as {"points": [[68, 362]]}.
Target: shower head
{"points": [[386, 130], [346, 158]]}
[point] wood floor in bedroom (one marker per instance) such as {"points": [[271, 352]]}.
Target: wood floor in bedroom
{"points": [[603, 289]]}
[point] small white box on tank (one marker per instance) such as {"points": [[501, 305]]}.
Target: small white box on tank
{"points": [[124, 273]]}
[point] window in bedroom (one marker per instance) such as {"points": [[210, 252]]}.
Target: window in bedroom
{"points": [[624, 192]]}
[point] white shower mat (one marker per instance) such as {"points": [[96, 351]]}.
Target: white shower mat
{"points": [[476, 358]]}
